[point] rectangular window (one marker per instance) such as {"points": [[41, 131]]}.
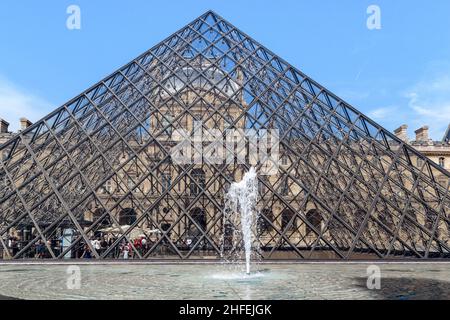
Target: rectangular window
{"points": [[130, 183], [166, 181], [3, 183], [166, 123], [442, 181], [284, 187], [108, 187], [262, 186]]}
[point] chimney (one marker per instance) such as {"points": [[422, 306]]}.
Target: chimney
{"points": [[24, 123], [3, 126], [402, 133], [422, 134]]}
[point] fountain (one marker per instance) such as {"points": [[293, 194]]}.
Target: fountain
{"points": [[240, 209]]}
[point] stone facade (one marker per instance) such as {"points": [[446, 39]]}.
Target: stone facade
{"points": [[167, 212], [437, 151]]}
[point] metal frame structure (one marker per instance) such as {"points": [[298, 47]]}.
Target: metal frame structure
{"points": [[346, 188]]}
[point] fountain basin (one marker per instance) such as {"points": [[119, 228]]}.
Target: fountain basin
{"points": [[216, 281]]}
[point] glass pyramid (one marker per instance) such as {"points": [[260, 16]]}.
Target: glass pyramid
{"points": [[96, 177]]}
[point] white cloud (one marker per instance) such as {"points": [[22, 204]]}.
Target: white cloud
{"points": [[429, 102], [382, 113], [16, 103], [425, 102]]}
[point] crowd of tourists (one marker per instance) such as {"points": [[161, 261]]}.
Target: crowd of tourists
{"points": [[124, 250], [40, 249]]}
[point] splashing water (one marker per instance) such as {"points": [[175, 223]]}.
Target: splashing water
{"points": [[240, 208]]}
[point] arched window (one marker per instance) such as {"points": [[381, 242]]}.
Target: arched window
{"points": [[98, 213], [198, 181], [263, 224], [199, 216], [442, 162], [315, 219], [286, 217], [127, 216]]}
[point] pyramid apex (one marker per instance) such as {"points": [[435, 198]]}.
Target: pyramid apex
{"points": [[210, 12]]}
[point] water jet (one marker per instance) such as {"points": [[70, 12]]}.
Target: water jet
{"points": [[240, 209]]}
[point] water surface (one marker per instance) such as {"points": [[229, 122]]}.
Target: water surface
{"points": [[282, 281]]}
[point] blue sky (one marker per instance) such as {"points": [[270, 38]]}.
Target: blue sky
{"points": [[398, 74]]}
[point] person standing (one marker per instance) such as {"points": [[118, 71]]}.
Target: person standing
{"points": [[144, 245], [103, 244], [126, 251], [40, 249], [96, 244], [87, 252]]}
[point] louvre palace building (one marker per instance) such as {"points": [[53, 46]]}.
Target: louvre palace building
{"points": [[96, 177]]}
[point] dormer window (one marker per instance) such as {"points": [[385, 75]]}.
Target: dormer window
{"points": [[419, 162]]}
